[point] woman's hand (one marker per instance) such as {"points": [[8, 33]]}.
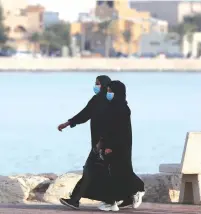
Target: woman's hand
{"points": [[108, 151], [63, 126]]}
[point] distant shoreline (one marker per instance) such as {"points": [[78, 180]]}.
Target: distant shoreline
{"points": [[98, 64]]}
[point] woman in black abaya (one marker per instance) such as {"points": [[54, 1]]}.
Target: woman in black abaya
{"points": [[94, 111], [117, 140]]}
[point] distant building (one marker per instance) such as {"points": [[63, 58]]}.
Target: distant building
{"points": [[158, 43], [171, 11], [83, 16], [165, 10], [34, 15], [50, 18], [188, 8], [123, 15], [11, 6], [160, 26], [21, 20], [192, 47]]}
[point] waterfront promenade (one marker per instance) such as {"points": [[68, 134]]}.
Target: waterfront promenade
{"points": [[146, 208], [96, 64]]}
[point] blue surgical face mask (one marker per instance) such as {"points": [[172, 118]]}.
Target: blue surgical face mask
{"points": [[110, 95], [97, 89]]}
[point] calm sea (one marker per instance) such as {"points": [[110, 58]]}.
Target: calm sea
{"points": [[164, 107]]}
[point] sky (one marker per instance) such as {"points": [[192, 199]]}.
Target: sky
{"points": [[68, 9]]}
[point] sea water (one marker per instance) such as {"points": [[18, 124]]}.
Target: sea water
{"points": [[164, 105]]}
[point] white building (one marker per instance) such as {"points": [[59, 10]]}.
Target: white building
{"points": [[192, 47], [50, 18], [188, 8], [82, 17], [158, 43], [9, 5], [160, 26]]}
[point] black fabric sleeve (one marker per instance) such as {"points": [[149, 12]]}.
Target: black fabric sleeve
{"points": [[84, 115]]}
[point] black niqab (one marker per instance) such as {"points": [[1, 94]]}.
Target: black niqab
{"points": [[119, 90], [104, 81]]}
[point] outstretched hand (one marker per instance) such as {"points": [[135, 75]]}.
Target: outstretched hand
{"points": [[63, 126]]}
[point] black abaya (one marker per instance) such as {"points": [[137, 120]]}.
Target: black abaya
{"points": [[94, 111], [121, 182]]}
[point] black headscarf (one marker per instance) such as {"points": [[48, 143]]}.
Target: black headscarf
{"points": [[104, 81], [119, 90]]}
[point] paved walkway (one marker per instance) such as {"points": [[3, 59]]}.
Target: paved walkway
{"points": [[146, 208]]}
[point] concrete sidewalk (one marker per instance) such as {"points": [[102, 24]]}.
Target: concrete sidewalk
{"points": [[146, 208]]}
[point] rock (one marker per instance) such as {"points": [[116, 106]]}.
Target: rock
{"points": [[50, 176], [16, 189], [30, 181], [61, 187], [37, 194], [162, 188], [11, 191]]}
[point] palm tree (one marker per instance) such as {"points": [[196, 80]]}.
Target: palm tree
{"points": [[188, 27], [3, 31], [55, 37], [108, 28], [127, 35], [189, 30], [50, 41], [46, 40], [35, 39]]}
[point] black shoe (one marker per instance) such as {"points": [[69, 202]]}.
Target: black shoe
{"points": [[70, 203], [126, 203]]}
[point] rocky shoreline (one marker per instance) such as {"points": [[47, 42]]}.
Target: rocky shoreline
{"points": [[48, 188]]}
